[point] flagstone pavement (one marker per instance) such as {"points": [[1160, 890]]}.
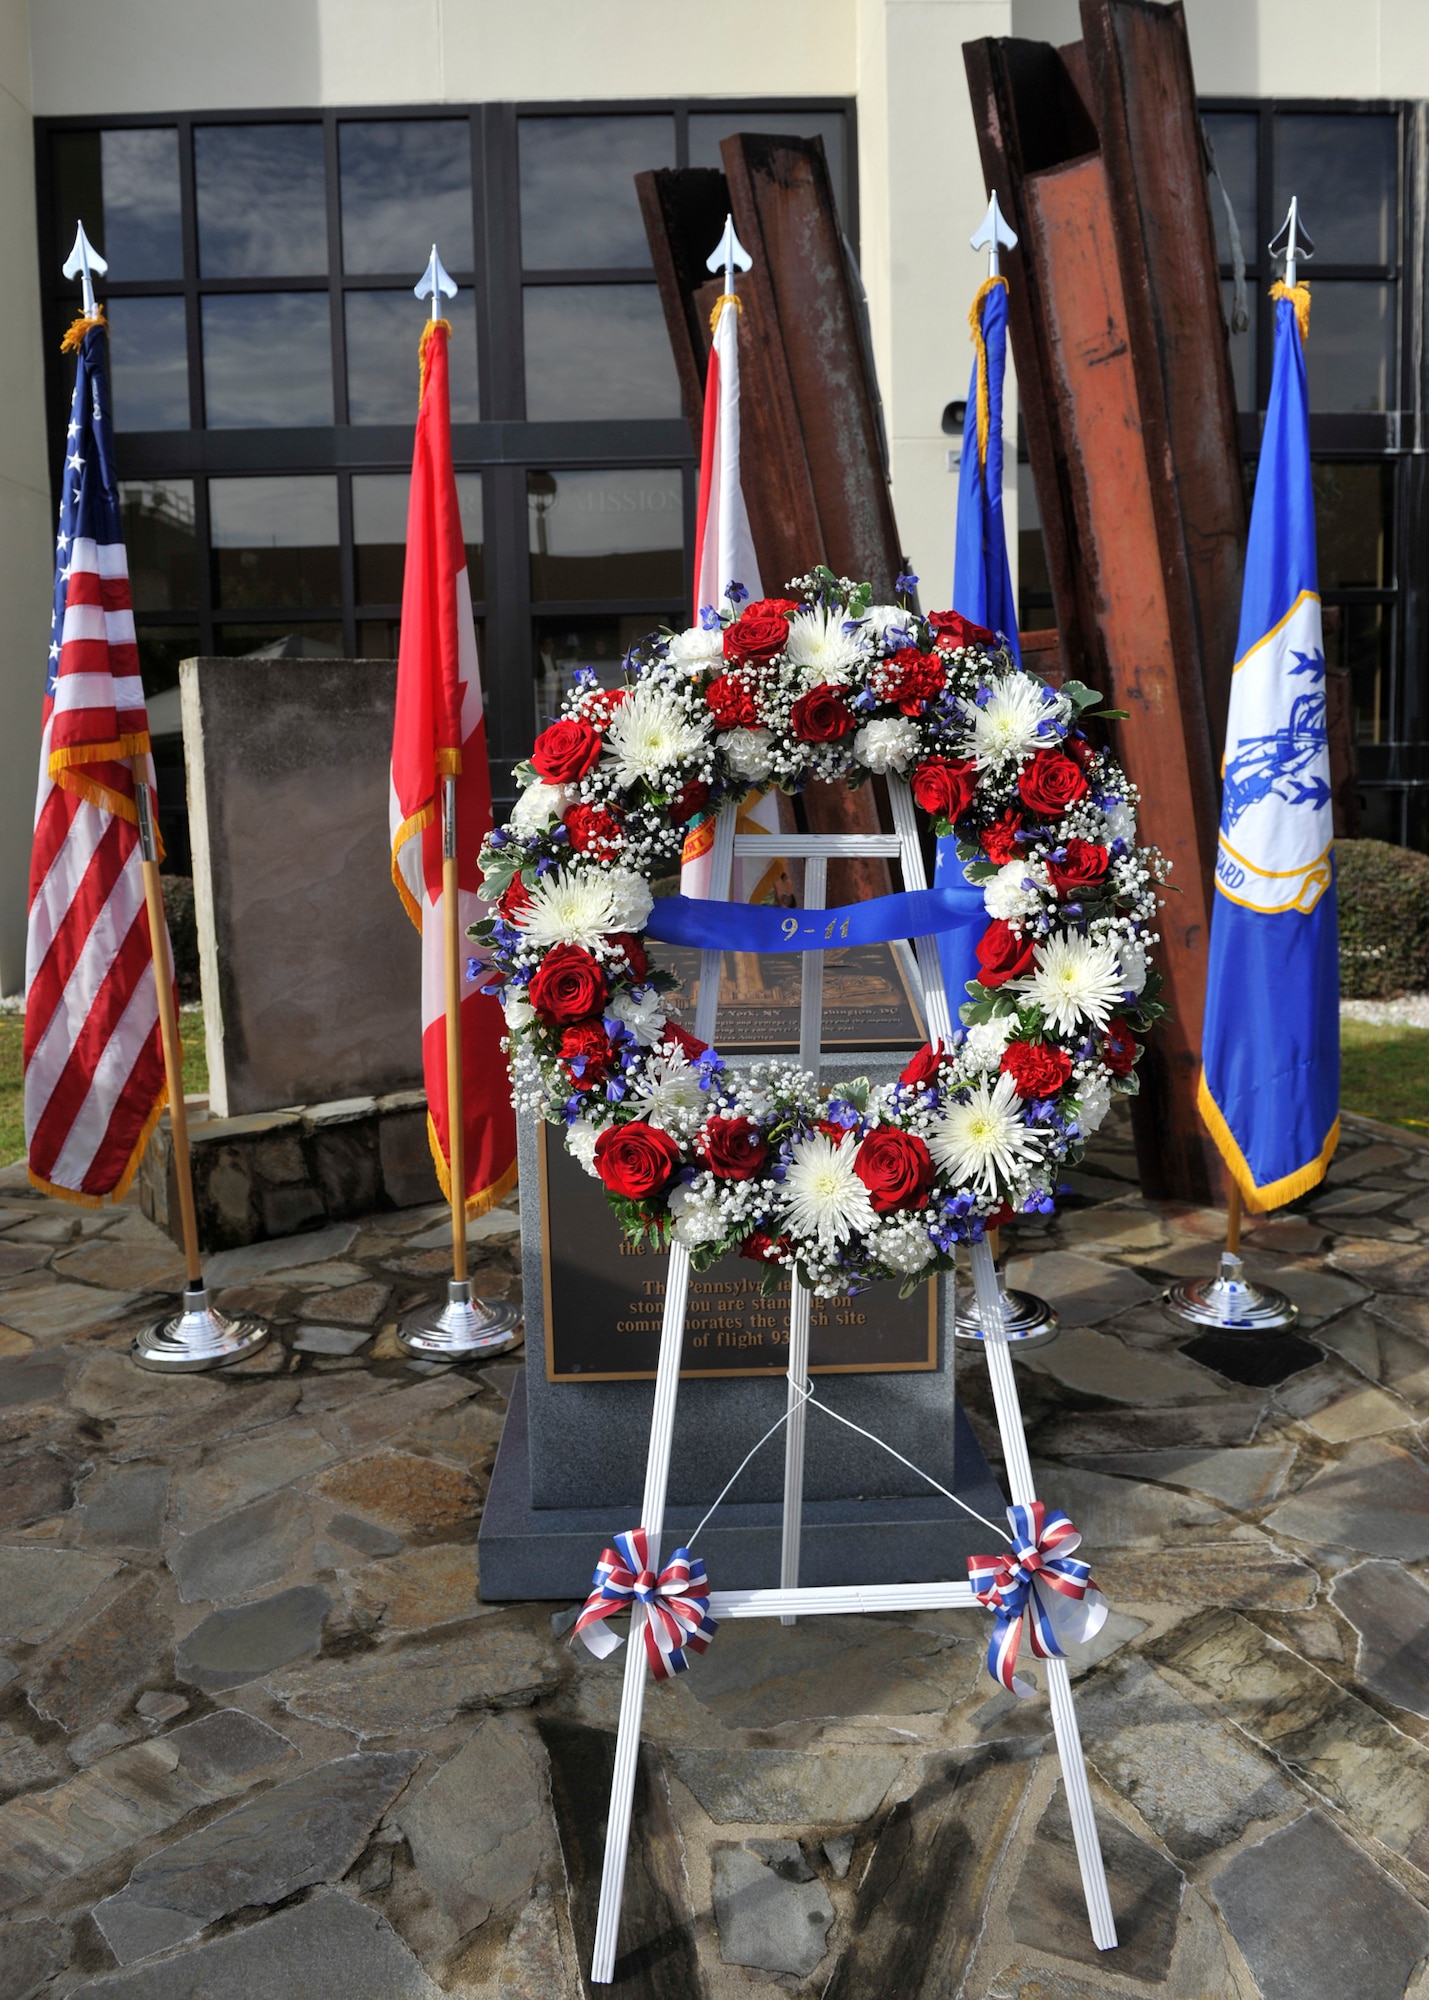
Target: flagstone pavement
{"points": [[260, 1737]]}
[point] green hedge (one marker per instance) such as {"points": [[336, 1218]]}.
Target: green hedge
{"points": [[1384, 919]]}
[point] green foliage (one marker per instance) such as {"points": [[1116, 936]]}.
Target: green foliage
{"points": [[1384, 919], [1384, 1073]]}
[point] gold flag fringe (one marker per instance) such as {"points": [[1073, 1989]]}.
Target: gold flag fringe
{"points": [[429, 334], [74, 339], [1299, 297], [724, 299], [984, 411]]}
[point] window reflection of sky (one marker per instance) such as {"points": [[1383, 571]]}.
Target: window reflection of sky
{"points": [[578, 205], [597, 351], [280, 512], [606, 513], [384, 331], [142, 233], [405, 185], [267, 359], [262, 210], [1343, 167], [148, 364]]}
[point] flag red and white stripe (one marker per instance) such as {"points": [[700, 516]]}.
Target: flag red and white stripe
{"points": [[439, 731], [94, 1064]]}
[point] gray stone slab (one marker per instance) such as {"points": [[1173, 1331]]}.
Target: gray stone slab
{"points": [[1317, 1920], [1389, 1609], [105, 1661], [125, 1507], [1375, 1499], [1241, 1479], [257, 1260], [1085, 1433], [223, 1748], [332, 1948], [54, 1312], [36, 1485], [232, 1647], [41, 1588], [764, 1919], [29, 1953], [110, 1385], [1098, 1364], [1125, 1513], [237, 1473], [331, 1339], [788, 1787], [1048, 1906], [404, 1688], [1083, 1289], [32, 1378], [365, 1536], [310, 1829], [761, 1673], [477, 1830], [242, 1551]]}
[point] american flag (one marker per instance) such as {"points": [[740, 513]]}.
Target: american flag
{"points": [[94, 1066]]}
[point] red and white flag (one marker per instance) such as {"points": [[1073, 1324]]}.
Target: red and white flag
{"points": [[94, 1061], [438, 732]]}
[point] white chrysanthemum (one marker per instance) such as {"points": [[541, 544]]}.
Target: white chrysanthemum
{"points": [[666, 1092], [1120, 822], [580, 1144], [650, 735], [1133, 965], [747, 753], [1074, 980], [697, 1213], [984, 1043], [1007, 724], [985, 1139], [697, 648], [538, 807], [644, 1017], [630, 899], [1094, 1095], [519, 1012], [1015, 890], [822, 1196], [818, 643], [570, 906], [903, 1245], [890, 744], [881, 619]]}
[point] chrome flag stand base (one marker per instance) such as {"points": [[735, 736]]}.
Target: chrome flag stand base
{"points": [[1230, 1302], [1026, 1319], [464, 1329], [198, 1337]]}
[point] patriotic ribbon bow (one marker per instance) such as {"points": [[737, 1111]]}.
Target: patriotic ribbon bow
{"points": [[677, 1604], [1038, 1584]]}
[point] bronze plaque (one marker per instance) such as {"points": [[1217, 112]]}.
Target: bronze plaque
{"points": [[604, 1300], [869, 998]]}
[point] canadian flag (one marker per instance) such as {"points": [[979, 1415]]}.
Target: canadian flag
{"points": [[439, 732]]}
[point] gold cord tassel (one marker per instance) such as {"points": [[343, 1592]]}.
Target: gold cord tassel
{"points": [[1299, 297], [724, 299], [74, 339], [429, 334], [984, 413]]}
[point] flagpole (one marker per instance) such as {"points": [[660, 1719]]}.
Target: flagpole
{"points": [[456, 1094]]}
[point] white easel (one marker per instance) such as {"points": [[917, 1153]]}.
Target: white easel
{"points": [[789, 1601]]}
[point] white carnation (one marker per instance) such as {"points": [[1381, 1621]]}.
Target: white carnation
{"points": [[644, 1017], [697, 648], [630, 899], [904, 1245], [538, 807], [696, 1212], [1094, 1095], [1120, 822], [984, 1043], [1015, 890], [519, 1012], [882, 620], [747, 753], [580, 1144], [1133, 965], [887, 745]]}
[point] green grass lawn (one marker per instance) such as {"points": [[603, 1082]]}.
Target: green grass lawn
{"points": [[12, 1108]]}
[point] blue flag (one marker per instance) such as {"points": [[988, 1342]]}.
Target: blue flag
{"points": [[1270, 1080]]}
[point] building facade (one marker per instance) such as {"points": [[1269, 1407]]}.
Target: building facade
{"points": [[267, 199]]}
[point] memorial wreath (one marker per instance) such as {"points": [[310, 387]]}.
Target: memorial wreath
{"points": [[862, 1183]]}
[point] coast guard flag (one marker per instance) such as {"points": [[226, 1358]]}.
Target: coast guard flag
{"points": [[1270, 1081], [94, 1062], [439, 730]]}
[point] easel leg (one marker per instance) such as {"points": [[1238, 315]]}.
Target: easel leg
{"points": [[800, 1303], [1059, 1686]]}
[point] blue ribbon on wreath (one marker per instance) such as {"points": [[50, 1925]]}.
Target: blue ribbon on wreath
{"points": [[955, 914]]}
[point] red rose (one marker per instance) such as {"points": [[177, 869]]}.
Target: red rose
{"points": [[693, 799], [1119, 1047], [821, 716], [586, 1055], [594, 828], [945, 788], [1080, 751], [568, 985], [1000, 1217], [760, 630], [730, 700], [1084, 866], [1037, 1068], [1002, 954], [677, 1037], [896, 1168], [635, 957], [1051, 783], [635, 1160], [762, 1248], [732, 1148], [513, 899], [566, 751], [1000, 841], [952, 630], [924, 1066], [598, 707], [911, 678]]}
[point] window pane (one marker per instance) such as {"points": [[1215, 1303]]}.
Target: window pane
{"points": [[158, 519], [1357, 637], [275, 541], [1352, 524], [578, 204], [1233, 137], [161, 648], [563, 644], [267, 359], [384, 331], [473, 527], [1343, 166], [404, 186], [148, 364], [606, 534], [1242, 345], [379, 534], [261, 206], [378, 638], [1349, 357], [598, 351], [320, 640], [79, 196], [707, 128]]}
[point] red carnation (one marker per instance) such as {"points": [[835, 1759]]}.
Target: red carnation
{"points": [[677, 1037], [732, 1148], [566, 751], [635, 1160], [1083, 867], [761, 629], [912, 678], [944, 787], [821, 716], [896, 1168], [635, 959], [586, 1055], [1050, 783], [568, 985], [763, 1248], [693, 798], [1001, 841], [514, 898], [594, 829], [838, 1133], [1038, 1069], [731, 701], [1080, 751], [1002, 954], [952, 630], [1119, 1047], [924, 1066], [599, 706]]}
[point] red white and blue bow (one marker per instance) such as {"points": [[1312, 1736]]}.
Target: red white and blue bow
{"points": [[1040, 1585], [677, 1604]]}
